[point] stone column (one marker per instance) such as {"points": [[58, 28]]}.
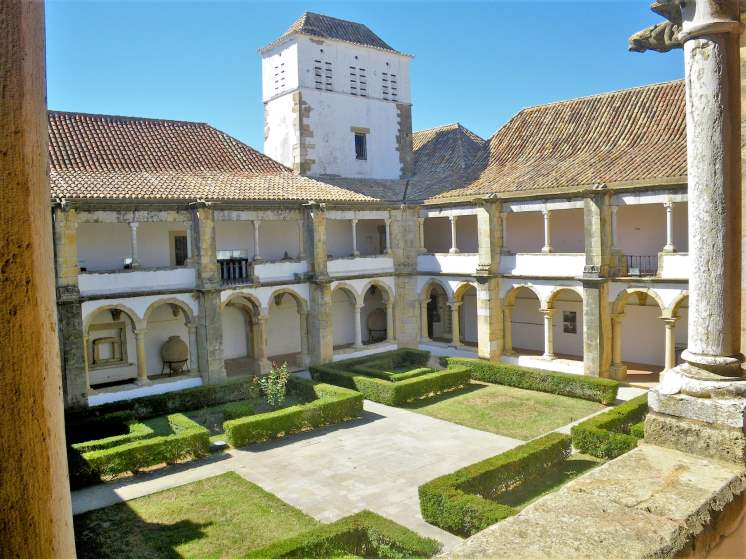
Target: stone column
{"points": [[36, 519], [404, 253], [193, 362], [390, 321], [699, 406], [454, 240], [597, 328], [304, 359], [424, 335], [670, 323], [133, 244], [210, 338], [301, 241], [354, 238], [421, 235], [618, 369], [208, 273], [547, 248], [358, 343], [455, 324], [504, 219], [257, 255], [261, 344], [142, 363], [490, 335], [548, 333], [388, 236], [189, 233], [508, 330], [612, 211], [669, 228], [320, 328]]}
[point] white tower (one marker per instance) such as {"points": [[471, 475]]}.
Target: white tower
{"points": [[337, 101]]}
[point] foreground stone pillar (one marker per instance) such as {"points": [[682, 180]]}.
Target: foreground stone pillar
{"points": [[404, 248], [700, 406], [320, 328], [489, 312], [35, 515]]}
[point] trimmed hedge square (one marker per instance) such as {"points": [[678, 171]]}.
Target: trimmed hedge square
{"points": [[577, 386], [364, 534], [369, 375], [326, 405], [137, 431], [463, 502], [614, 432]]}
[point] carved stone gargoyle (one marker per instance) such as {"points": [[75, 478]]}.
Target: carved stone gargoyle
{"points": [[661, 37]]}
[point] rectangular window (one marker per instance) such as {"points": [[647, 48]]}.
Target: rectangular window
{"points": [[179, 250], [361, 148]]}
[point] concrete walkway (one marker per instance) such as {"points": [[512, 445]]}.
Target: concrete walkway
{"points": [[375, 462]]}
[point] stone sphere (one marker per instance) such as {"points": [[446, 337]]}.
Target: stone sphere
{"points": [[175, 352]]}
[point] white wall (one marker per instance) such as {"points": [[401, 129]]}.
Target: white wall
{"points": [[641, 229], [369, 241], [235, 235], [528, 323], [235, 341], [161, 325], [567, 343], [103, 246], [467, 236], [280, 69], [277, 237], [343, 319], [109, 374], [339, 238], [525, 231], [643, 334], [437, 232], [283, 327], [468, 317], [567, 230], [281, 130], [154, 243], [371, 303]]}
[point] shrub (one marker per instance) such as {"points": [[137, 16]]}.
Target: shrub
{"points": [[463, 502], [274, 385], [329, 404], [234, 410], [137, 431], [189, 440], [394, 393], [577, 386], [364, 534], [638, 430], [611, 434]]}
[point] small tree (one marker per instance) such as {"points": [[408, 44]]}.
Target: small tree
{"points": [[274, 385]]}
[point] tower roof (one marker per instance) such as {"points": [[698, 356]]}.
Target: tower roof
{"points": [[327, 27]]}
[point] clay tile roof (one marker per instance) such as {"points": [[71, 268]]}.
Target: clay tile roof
{"points": [[636, 134], [327, 27], [115, 157]]}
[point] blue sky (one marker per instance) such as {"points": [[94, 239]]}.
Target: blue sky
{"points": [[477, 63]]}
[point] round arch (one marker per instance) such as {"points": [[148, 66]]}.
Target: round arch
{"points": [[300, 301], [621, 300], [428, 287], [510, 296], [138, 322], [673, 309], [287, 330], [462, 288], [246, 300], [186, 309], [551, 298]]}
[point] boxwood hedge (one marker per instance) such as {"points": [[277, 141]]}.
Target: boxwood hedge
{"points": [[326, 405], [137, 431], [364, 534], [577, 386], [614, 432], [464, 502]]}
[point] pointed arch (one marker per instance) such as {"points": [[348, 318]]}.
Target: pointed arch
{"points": [[344, 286], [385, 289], [300, 301], [428, 287], [243, 299], [458, 293]]}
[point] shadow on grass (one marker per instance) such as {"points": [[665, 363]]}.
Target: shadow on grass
{"points": [[118, 531], [443, 396], [556, 477]]}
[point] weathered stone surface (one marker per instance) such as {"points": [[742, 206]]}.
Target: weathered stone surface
{"points": [[210, 338], [650, 502], [597, 328], [725, 412], [696, 437], [75, 382]]}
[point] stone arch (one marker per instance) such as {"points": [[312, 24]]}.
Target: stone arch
{"points": [[247, 300], [344, 286], [465, 314], [385, 289], [673, 309], [621, 300], [159, 334], [376, 313], [346, 303], [244, 342], [435, 316], [523, 324], [300, 301], [427, 288], [549, 303], [565, 318], [510, 296], [461, 288], [186, 309], [283, 341], [137, 322]]}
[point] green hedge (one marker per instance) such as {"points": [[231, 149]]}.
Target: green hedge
{"points": [[364, 534], [234, 410], [393, 393], [189, 440], [611, 433], [328, 404], [577, 386], [137, 431], [463, 502]]}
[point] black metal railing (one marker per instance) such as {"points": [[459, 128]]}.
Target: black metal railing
{"points": [[235, 270], [642, 265]]}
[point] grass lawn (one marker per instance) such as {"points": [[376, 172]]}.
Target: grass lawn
{"points": [[504, 410], [555, 478], [224, 516]]}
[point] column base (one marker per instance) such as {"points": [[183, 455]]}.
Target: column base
{"points": [[548, 356], [453, 251], [618, 371], [264, 366], [546, 250], [304, 360], [143, 382], [694, 381]]}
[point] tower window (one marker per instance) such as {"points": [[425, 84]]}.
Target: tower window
{"points": [[361, 147]]}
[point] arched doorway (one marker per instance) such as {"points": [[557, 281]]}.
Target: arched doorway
{"points": [[344, 308], [523, 322], [169, 322], [114, 347], [565, 308], [287, 329], [465, 299], [244, 350], [435, 315], [376, 315]]}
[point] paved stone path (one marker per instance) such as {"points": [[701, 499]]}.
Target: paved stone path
{"points": [[375, 462]]}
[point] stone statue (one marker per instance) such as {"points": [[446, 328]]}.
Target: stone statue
{"points": [[660, 37]]}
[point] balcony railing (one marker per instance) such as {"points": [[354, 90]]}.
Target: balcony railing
{"points": [[235, 267], [642, 265]]}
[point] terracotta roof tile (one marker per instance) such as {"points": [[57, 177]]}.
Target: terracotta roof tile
{"points": [[114, 157]]}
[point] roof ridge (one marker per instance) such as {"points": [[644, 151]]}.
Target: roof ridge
{"points": [[128, 117], [596, 95], [442, 126]]}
